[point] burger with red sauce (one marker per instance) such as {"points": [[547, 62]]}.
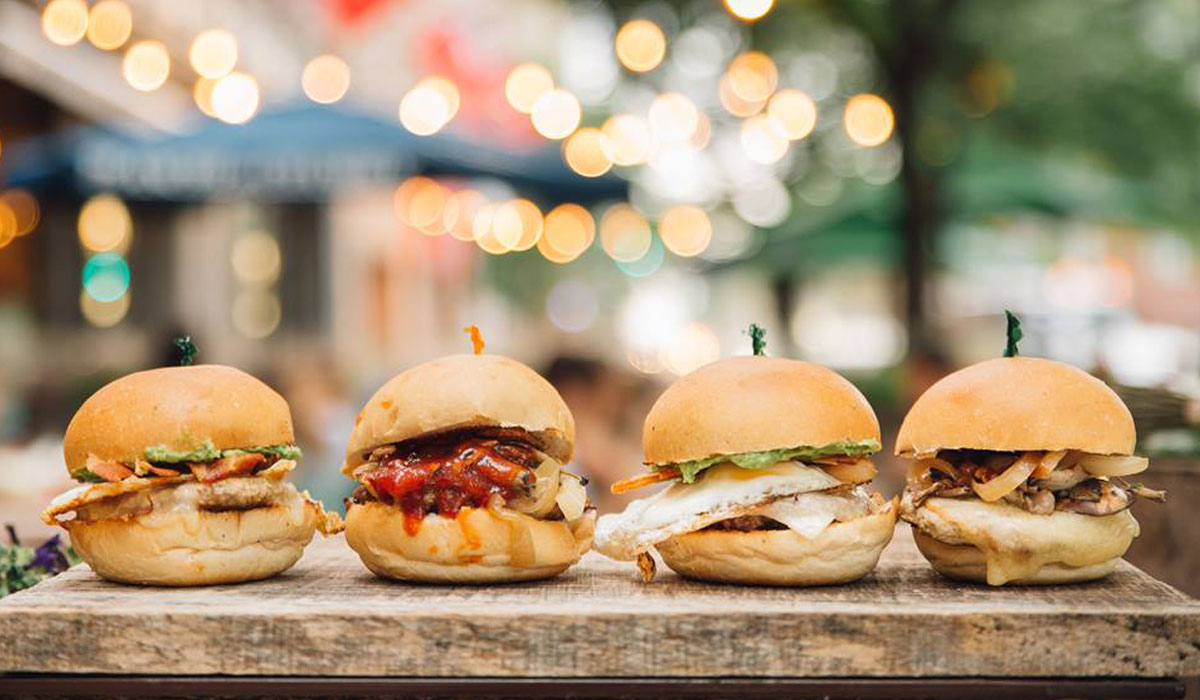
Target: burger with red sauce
{"points": [[460, 469]]}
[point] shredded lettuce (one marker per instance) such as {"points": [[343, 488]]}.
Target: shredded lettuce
{"points": [[761, 460], [208, 452]]}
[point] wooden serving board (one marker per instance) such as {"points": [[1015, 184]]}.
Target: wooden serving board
{"points": [[329, 616]]}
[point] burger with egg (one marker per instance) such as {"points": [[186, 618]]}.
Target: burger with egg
{"points": [[183, 474], [768, 465], [459, 463]]}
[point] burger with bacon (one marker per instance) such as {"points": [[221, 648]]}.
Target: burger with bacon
{"points": [[183, 480], [768, 462], [1019, 473], [460, 465]]}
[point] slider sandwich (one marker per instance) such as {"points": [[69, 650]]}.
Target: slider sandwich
{"points": [[183, 472]]}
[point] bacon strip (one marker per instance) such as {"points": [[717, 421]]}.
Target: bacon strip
{"points": [[109, 471], [144, 466], [234, 465], [643, 480]]}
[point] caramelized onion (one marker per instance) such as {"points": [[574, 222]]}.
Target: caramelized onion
{"points": [[540, 502], [1112, 465], [1049, 463], [860, 471], [1008, 480], [571, 498]]}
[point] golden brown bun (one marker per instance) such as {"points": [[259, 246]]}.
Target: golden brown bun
{"points": [[179, 408], [752, 404], [1010, 404], [475, 547], [964, 562], [842, 552], [463, 391], [197, 548]]}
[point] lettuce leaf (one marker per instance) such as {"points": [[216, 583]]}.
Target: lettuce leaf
{"points": [[208, 452], [761, 460], [87, 476]]}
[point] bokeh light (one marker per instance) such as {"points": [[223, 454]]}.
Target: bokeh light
{"points": [[106, 277], [629, 139], [588, 152], [146, 65], [429, 105], [104, 224], [749, 9], [752, 76], [569, 230], [214, 53], [525, 84], [103, 314], [686, 230], [556, 114], [256, 258], [673, 117], [517, 224], [65, 22], [868, 120], [420, 202], [256, 313], [640, 45], [550, 253], [794, 112], [8, 224], [572, 306], [235, 98], [25, 210], [763, 140], [202, 93], [485, 233], [109, 24], [458, 216], [733, 103], [624, 233], [648, 264], [693, 347], [325, 79]]}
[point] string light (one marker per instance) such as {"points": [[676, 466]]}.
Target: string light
{"points": [[517, 224], [550, 253], [256, 258], [235, 98], [65, 22], [8, 224], [256, 313], [629, 139], [104, 224], [25, 210], [458, 216], [103, 314], [752, 76], [485, 234], [202, 93], [568, 230], [640, 45], [146, 65], [556, 114], [214, 53], [733, 103], [419, 202], [109, 24], [106, 277], [429, 105], [749, 9], [763, 140], [673, 117], [868, 120], [624, 233], [794, 112], [525, 84], [686, 230], [588, 152], [325, 79]]}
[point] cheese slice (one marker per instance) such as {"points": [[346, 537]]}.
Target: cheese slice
{"points": [[810, 513]]}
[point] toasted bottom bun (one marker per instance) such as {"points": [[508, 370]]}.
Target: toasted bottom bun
{"points": [[196, 548], [965, 562], [842, 552], [478, 546]]}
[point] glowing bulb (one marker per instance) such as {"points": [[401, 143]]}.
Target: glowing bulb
{"points": [[673, 117], [325, 79], [556, 114], [256, 258], [256, 313], [734, 104], [429, 106], [420, 203], [109, 24], [458, 216], [629, 138], [8, 224], [104, 224], [641, 45], [103, 314], [525, 84], [749, 10], [202, 93], [794, 112], [588, 152], [763, 140], [752, 76], [106, 277], [686, 230], [868, 120], [214, 53], [485, 233], [235, 98], [569, 230], [146, 65], [25, 210], [64, 22], [624, 233], [517, 224]]}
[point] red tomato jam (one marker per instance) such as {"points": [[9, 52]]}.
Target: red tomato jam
{"points": [[447, 474]]}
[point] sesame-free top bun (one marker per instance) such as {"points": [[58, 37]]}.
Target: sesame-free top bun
{"points": [[1010, 404], [752, 404], [463, 391], [179, 408]]}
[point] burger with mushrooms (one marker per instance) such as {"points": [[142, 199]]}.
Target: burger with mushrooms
{"points": [[459, 463], [768, 461], [1020, 473], [183, 472]]}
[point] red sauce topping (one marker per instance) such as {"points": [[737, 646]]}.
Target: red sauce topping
{"points": [[446, 474]]}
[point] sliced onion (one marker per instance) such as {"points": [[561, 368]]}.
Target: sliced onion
{"points": [[1112, 465], [918, 475], [1009, 479], [572, 498], [860, 471], [944, 467], [1049, 463], [540, 502]]}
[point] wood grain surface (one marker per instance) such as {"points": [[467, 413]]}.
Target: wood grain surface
{"points": [[329, 616]]}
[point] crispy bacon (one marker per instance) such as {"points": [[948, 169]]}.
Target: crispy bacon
{"points": [[234, 465], [147, 467], [109, 471]]}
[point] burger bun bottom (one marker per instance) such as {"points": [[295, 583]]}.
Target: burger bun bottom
{"points": [[843, 552], [964, 562]]}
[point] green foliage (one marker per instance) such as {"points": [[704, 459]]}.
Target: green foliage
{"points": [[187, 350], [22, 567], [758, 339], [1012, 333]]}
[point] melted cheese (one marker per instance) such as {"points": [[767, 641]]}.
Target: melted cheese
{"points": [[724, 492], [810, 513]]}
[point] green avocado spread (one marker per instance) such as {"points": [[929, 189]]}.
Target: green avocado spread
{"points": [[761, 460], [207, 452]]}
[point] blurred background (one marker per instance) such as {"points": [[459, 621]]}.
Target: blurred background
{"points": [[325, 192]]}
